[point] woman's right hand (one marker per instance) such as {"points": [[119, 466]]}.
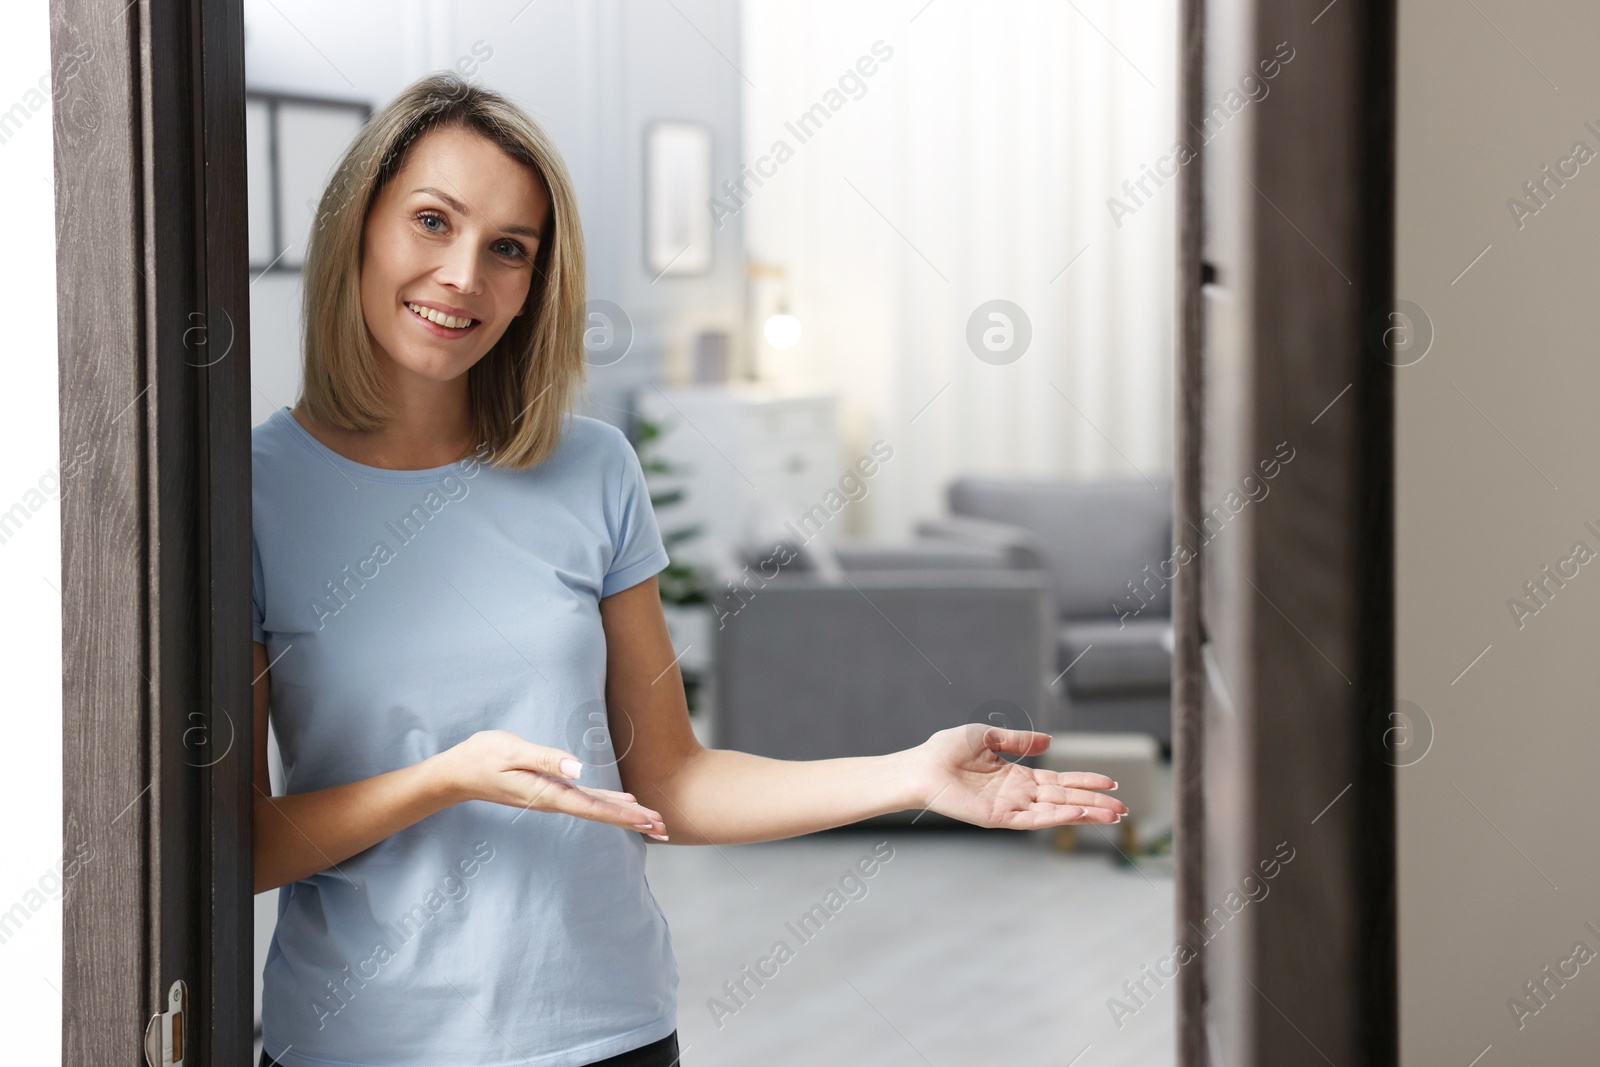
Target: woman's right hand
{"points": [[499, 766]]}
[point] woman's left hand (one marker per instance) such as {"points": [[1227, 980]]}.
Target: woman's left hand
{"points": [[963, 775]]}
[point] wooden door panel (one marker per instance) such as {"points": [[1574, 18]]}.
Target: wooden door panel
{"points": [[153, 327], [1287, 254]]}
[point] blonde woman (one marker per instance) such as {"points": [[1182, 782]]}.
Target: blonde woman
{"points": [[459, 633]]}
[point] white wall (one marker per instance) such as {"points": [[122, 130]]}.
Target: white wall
{"points": [[1497, 439], [30, 551]]}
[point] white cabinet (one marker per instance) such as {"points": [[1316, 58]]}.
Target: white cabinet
{"points": [[753, 458]]}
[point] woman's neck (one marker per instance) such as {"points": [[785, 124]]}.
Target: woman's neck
{"points": [[418, 441]]}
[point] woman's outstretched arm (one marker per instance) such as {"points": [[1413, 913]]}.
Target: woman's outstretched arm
{"points": [[718, 796]]}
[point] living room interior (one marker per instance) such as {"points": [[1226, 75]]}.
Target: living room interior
{"points": [[892, 337]]}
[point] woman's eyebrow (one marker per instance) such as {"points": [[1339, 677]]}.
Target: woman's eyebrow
{"points": [[456, 205]]}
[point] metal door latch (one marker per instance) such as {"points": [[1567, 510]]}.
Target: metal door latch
{"points": [[164, 1037]]}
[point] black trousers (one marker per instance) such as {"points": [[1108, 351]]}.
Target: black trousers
{"points": [[663, 1053]]}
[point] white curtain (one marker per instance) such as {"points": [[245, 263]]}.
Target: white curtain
{"points": [[976, 164]]}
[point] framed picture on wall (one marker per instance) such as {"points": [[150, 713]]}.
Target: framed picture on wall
{"points": [[677, 191], [292, 144]]}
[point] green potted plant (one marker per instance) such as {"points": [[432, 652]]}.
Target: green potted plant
{"points": [[684, 592]]}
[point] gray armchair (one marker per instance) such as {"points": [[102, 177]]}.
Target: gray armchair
{"points": [[1108, 548], [864, 650]]}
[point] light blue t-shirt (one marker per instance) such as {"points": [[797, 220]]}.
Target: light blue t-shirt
{"points": [[402, 612]]}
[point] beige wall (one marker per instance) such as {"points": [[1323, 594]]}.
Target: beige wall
{"points": [[1498, 472]]}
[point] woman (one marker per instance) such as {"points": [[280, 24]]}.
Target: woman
{"points": [[471, 680]]}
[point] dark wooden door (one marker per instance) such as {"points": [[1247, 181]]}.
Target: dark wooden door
{"points": [[1284, 620], [153, 320]]}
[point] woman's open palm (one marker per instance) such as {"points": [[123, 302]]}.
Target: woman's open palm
{"points": [[967, 778], [503, 768]]}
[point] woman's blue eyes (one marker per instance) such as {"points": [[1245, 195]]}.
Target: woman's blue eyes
{"points": [[508, 248]]}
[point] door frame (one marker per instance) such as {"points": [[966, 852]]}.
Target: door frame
{"points": [[1269, 745], [153, 343]]}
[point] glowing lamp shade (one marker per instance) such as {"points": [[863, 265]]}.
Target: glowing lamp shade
{"points": [[782, 331]]}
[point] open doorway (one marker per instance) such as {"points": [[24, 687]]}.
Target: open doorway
{"points": [[893, 337]]}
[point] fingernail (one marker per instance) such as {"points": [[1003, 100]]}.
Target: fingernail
{"points": [[571, 768], [643, 825], [659, 837], [1113, 785]]}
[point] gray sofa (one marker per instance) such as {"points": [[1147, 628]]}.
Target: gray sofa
{"points": [[865, 650], [1108, 548]]}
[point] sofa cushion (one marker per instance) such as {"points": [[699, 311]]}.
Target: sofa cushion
{"points": [[916, 555], [1095, 536], [1129, 658], [790, 556], [1016, 545]]}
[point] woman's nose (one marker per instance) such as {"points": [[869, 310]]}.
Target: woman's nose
{"points": [[461, 268]]}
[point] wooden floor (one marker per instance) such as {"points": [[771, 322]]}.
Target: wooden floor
{"points": [[968, 948]]}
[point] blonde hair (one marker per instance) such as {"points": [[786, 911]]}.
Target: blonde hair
{"points": [[522, 389]]}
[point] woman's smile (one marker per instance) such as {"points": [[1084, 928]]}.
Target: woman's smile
{"points": [[441, 321]]}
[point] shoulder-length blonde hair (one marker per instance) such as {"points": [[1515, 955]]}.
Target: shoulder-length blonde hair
{"points": [[523, 387]]}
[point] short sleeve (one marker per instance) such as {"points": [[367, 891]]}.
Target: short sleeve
{"points": [[638, 549], [258, 619]]}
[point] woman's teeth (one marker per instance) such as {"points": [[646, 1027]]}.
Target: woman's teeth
{"points": [[440, 317]]}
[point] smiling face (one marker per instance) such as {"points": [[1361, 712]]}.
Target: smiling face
{"points": [[447, 253]]}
